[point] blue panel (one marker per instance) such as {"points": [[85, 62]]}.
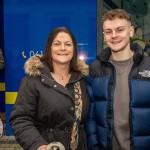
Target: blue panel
{"points": [[28, 24], [17, 39], [2, 75], [1, 25], [2, 101], [2, 72], [8, 111], [59, 21]]}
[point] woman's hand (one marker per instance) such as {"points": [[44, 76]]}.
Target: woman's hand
{"points": [[42, 147]]}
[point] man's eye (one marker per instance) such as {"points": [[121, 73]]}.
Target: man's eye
{"points": [[120, 30], [107, 32]]}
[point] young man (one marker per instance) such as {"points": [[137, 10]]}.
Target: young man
{"points": [[119, 89]]}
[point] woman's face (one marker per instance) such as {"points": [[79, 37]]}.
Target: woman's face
{"points": [[62, 49]]}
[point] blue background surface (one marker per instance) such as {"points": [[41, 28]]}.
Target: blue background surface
{"points": [[2, 72], [27, 24]]}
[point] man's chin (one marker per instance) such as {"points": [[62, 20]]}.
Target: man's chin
{"points": [[115, 50]]}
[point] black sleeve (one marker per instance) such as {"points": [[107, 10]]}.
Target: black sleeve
{"points": [[23, 115]]}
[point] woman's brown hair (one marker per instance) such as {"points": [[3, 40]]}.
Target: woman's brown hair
{"points": [[47, 57]]}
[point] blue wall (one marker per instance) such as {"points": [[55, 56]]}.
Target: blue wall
{"points": [[2, 72], [27, 24]]}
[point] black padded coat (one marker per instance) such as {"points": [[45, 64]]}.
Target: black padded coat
{"points": [[44, 109]]}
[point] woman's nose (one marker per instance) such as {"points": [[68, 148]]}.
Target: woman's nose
{"points": [[63, 46]]}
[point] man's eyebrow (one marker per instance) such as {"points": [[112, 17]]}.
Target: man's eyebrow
{"points": [[115, 28], [121, 27]]}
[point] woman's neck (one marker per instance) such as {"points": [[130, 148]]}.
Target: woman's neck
{"points": [[61, 69], [61, 74]]}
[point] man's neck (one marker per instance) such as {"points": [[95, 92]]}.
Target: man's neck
{"points": [[120, 56]]}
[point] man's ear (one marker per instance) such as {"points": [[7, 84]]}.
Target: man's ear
{"points": [[131, 31]]}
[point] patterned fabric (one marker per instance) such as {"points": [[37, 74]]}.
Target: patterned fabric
{"points": [[77, 116], [1, 128]]}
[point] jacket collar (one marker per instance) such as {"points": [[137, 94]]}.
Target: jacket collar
{"points": [[35, 67], [75, 76], [104, 55]]}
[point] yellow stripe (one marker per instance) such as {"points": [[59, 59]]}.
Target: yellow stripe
{"points": [[2, 86], [10, 97]]}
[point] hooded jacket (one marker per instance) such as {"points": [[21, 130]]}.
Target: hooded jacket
{"points": [[101, 87], [44, 110]]}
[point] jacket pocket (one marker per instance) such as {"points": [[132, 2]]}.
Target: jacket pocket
{"points": [[63, 136], [47, 135]]}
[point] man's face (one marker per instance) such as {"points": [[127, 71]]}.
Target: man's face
{"points": [[117, 34]]}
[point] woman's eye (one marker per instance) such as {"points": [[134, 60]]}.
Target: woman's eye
{"points": [[56, 44], [68, 44]]}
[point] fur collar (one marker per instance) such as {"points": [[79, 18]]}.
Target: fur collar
{"points": [[33, 66]]}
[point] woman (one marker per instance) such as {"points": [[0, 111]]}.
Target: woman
{"points": [[47, 109]]}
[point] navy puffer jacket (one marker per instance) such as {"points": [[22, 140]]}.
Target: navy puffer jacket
{"points": [[101, 87]]}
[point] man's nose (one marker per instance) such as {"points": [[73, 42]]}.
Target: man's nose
{"points": [[114, 34]]}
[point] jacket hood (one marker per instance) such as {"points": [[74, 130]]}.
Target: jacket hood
{"points": [[34, 65]]}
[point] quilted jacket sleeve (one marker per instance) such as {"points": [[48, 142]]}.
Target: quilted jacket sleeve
{"points": [[91, 125], [23, 116]]}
